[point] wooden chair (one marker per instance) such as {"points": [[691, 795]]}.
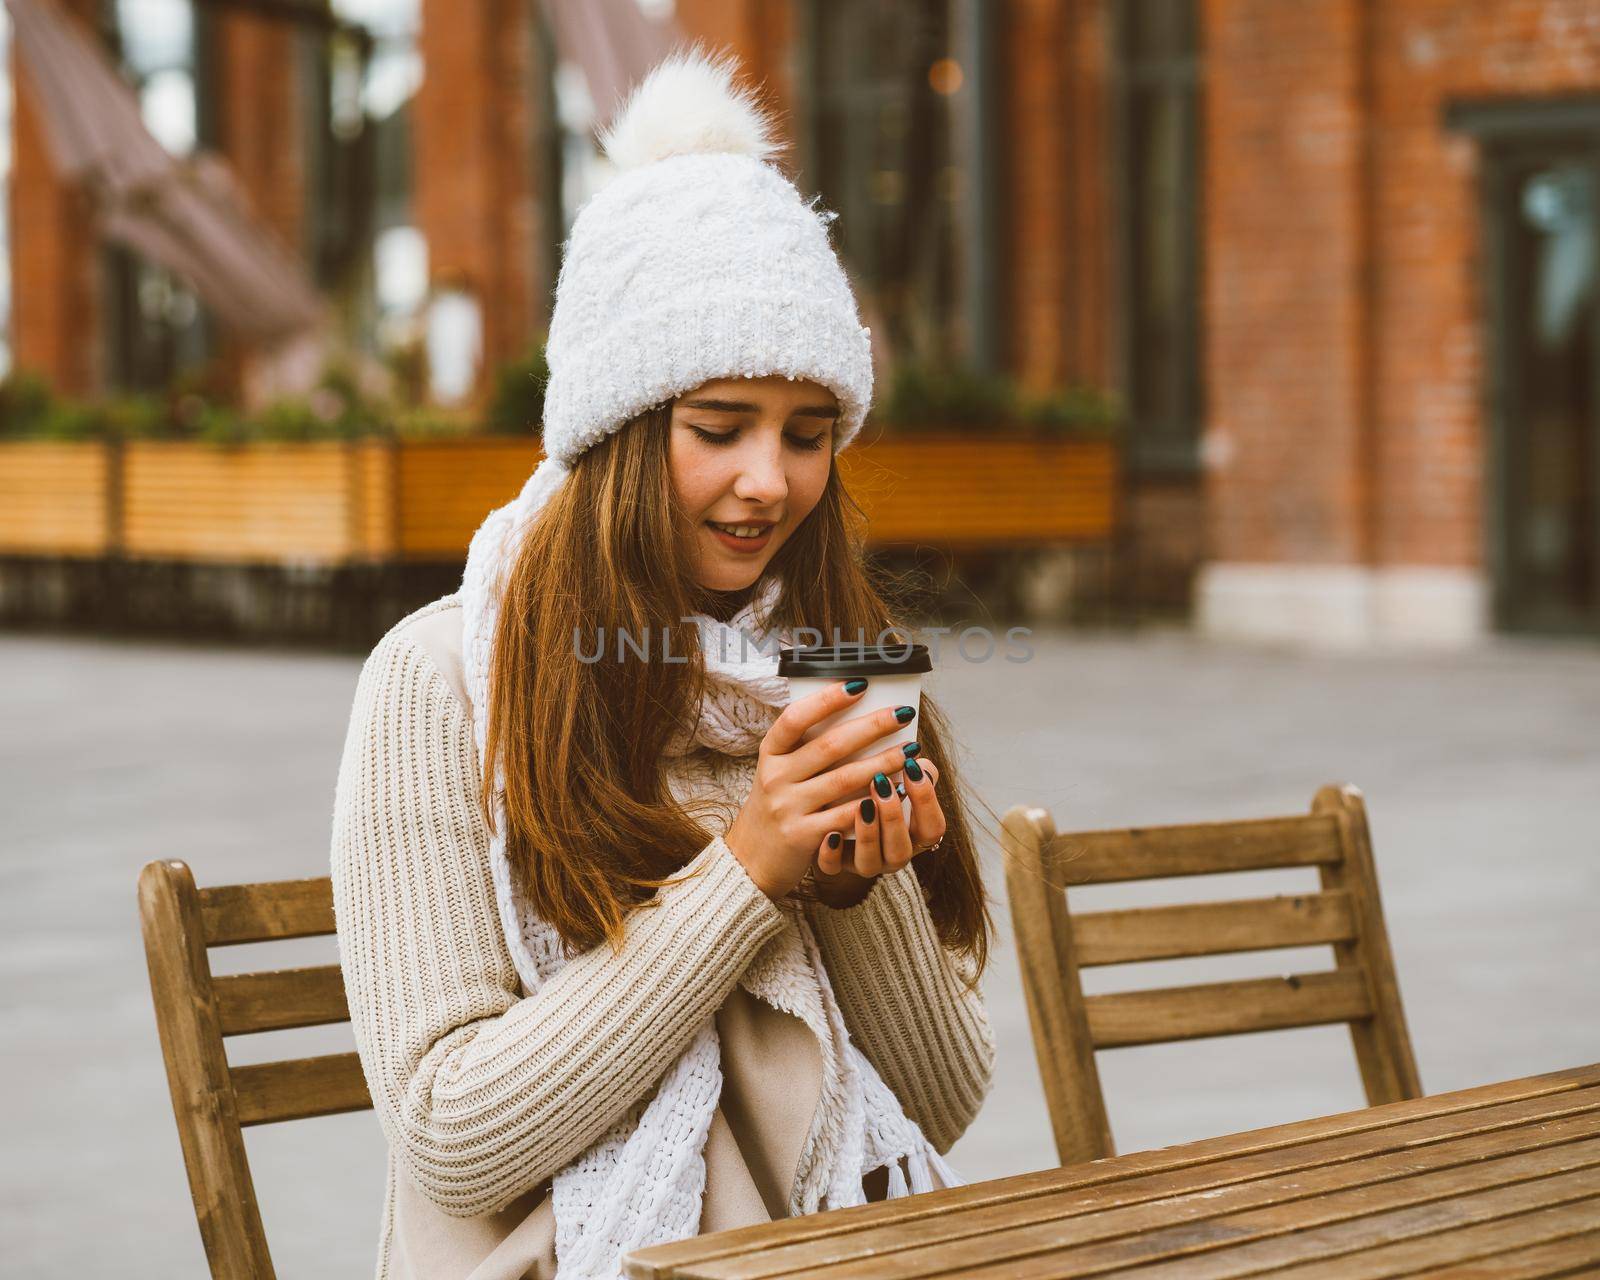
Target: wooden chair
{"points": [[1054, 944], [212, 1101]]}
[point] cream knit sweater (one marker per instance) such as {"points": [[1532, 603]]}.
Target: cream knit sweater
{"points": [[485, 1092]]}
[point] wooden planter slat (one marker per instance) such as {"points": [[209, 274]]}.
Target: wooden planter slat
{"points": [[53, 498]]}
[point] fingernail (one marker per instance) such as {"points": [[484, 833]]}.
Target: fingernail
{"points": [[881, 783], [904, 714], [854, 686], [911, 748], [900, 790], [834, 839], [869, 809], [913, 771]]}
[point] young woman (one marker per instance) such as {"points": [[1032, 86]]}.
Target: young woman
{"points": [[611, 980]]}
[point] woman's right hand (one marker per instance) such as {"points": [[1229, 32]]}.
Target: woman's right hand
{"points": [[801, 793]]}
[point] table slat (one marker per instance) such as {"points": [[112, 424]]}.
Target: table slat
{"points": [[970, 1236], [691, 1258], [1178, 1226], [1369, 1231], [1491, 1244], [1575, 1256]]}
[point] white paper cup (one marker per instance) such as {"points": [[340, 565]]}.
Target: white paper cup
{"points": [[894, 679]]}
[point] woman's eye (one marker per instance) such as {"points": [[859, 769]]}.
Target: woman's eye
{"points": [[727, 437]]}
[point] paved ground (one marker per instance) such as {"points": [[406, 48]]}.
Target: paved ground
{"points": [[1482, 774]]}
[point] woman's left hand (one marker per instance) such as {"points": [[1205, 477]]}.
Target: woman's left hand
{"points": [[885, 844]]}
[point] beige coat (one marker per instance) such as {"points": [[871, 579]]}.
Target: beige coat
{"points": [[484, 1090]]}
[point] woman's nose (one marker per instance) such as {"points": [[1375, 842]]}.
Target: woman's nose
{"points": [[761, 478]]}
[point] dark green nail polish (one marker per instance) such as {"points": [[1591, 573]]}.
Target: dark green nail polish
{"points": [[913, 771], [904, 714], [881, 783], [869, 809], [911, 749], [834, 839], [854, 686]]}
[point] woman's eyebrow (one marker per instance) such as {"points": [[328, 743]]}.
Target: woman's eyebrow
{"points": [[738, 406]]}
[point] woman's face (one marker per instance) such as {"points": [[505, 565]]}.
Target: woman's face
{"points": [[749, 452]]}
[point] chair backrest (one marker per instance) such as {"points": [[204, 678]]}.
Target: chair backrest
{"points": [[195, 1011], [1054, 944]]}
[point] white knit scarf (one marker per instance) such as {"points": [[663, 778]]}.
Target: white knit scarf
{"points": [[642, 1181]]}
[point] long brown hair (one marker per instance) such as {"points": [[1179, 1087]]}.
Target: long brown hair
{"points": [[592, 829]]}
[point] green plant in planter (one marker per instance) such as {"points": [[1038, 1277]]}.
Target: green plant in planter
{"points": [[423, 422], [297, 421], [517, 406], [219, 424], [1078, 410], [348, 412], [922, 395], [29, 410], [26, 401], [135, 418], [73, 421], [928, 395]]}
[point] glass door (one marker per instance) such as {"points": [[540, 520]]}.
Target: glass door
{"points": [[1544, 223]]}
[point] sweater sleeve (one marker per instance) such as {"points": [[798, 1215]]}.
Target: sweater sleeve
{"points": [[483, 1093], [903, 999]]}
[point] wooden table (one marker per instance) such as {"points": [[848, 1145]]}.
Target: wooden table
{"points": [[1501, 1181]]}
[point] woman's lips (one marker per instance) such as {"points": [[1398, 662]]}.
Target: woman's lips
{"points": [[745, 545]]}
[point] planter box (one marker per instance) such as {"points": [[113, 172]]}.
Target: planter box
{"points": [[318, 503], [445, 489], [989, 491], [955, 490], [55, 499]]}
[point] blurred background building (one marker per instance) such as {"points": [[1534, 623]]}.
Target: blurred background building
{"points": [[1334, 260]]}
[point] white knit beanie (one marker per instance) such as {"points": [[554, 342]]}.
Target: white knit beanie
{"points": [[698, 261]]}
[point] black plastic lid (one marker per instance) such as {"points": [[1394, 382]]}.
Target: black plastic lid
{"points": [[842, 661]]}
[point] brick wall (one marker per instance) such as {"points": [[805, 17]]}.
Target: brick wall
{"points": [[1055, 205], [1430, 458], [476, 197], [1283, 246], [1343, 295], [55, 262], [261, 122]]}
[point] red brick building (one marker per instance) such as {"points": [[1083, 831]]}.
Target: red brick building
{"points": [[1338, 257], [1399, 315]]}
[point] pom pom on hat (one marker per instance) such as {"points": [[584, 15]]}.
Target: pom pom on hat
{"points": [[689, 105]]}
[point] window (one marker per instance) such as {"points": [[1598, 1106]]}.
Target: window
{"points": [[362, 239], [1158, 73], [6, 135], [155, 326], [884, 74]]}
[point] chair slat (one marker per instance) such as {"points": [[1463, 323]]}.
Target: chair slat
{"points": [[238, 913], [300, 1087], [281, 999], [1148, 853], [1227, 1008], [1212, 928]]}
